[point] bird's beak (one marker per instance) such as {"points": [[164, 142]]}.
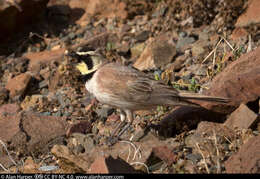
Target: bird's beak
{"points": [[73, 55], [70, 53]]}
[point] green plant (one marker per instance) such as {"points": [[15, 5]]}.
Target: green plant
{"points": [[193, 85], [110, 46], [238, 52], [156, 76], [176, 86]]}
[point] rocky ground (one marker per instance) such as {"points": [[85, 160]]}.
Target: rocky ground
{"points": [[49, 123]]}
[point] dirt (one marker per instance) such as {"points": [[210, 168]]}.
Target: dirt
{"points": [[56, 122]]}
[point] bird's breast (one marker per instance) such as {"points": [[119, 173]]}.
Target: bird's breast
{"points": [[94, 88]]}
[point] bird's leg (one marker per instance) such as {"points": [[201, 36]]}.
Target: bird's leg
{"points": [[130, 118], [121, 124], [122, 127]]}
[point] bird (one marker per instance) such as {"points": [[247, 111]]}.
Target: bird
{"points": [[128, 89]]}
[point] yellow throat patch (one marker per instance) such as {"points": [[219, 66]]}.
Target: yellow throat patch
{"points": [[83, 68]]}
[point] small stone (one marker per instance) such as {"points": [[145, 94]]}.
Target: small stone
{"points": [[197, 69], [104, 112], [76, 164], [239, 34], [241, 118], [30, 166], [182, 34], [18, 85], [142, 36], [197, 50], [250, 16], [137, 49], [195, 158], [9, 127], [209, 128], [246, 160], [157, 54], [185, 41], [165, 154], [39, 59], [72, 36]]}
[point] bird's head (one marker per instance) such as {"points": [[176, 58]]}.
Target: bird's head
{"points": [[87, 62]]}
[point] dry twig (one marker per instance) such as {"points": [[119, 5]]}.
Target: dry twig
{"points": [[204, 159], [10, 157], [216, 145]]}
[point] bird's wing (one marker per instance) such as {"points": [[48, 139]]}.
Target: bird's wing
{"points": [[125, 83], [131, 85]]}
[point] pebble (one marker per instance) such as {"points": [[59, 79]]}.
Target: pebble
{"points": [[193, 157], [48, 168]]}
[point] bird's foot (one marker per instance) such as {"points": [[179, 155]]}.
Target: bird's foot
{"points": [[122, 127]]}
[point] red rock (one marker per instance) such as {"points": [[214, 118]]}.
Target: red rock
{"points": [[209, 128], [9, 109], [109, 165], [71, 163], [9, 127], [31, 132], [100, 40], [30, 166], [18, 85], [158, 53], [42, 129], [43, 58], [246, 160], [165, 154], [121, 149], [239, 33], [241, 118], [251, 15], [99, 8], [239, 82], [80, 127]]}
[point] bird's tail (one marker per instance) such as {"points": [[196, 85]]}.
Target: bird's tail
{"points": [[196, 96]]}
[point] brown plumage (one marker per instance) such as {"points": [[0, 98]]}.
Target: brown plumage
{"points": [[129, 89], [138, 91]]}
